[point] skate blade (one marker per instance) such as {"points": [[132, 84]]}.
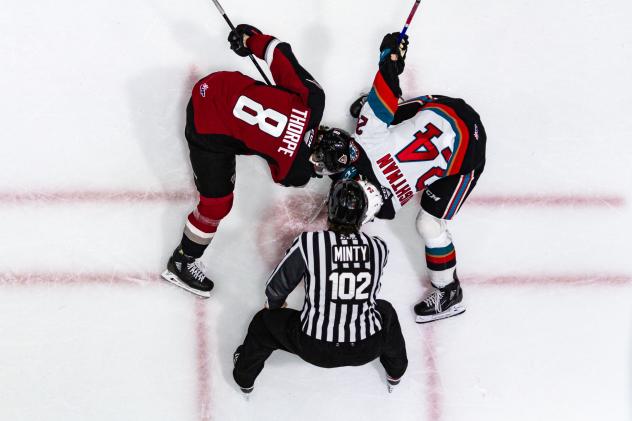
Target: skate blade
{"points": [[389, 387], [246, 393], [169, 276], [455, 310]]}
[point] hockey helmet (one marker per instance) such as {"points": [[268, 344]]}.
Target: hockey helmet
{"points": [[374, 200], [353, 203], [331, 153]]}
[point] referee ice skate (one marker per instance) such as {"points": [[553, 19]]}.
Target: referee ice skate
{"points": [[341, 323]]}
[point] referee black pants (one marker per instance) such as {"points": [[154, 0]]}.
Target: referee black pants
{"points": [[281, 329]]}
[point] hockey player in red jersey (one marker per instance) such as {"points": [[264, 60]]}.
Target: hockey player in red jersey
{"points": [[432, 144], [232, 114]]}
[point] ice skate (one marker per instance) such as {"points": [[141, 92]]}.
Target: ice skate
{"points": [[441, 303], [391, 383], [245, 390], [186, 272]]}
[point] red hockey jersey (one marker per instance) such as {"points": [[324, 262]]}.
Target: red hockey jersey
{"points": [[249, 117]]}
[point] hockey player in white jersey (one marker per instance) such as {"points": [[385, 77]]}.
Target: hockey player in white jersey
{"points": [[431, 144]]}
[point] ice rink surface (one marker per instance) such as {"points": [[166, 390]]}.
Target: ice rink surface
{"points": [[95, 186]]}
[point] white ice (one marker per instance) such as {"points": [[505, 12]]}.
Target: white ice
{"points": [[92, 98]]}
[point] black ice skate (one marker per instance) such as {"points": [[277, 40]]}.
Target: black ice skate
{"points": [[186, 272], [391, 383], [441, 303], [245, 390]]}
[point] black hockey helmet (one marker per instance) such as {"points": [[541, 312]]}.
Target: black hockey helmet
{"points": [[331, 153], [347, 205]]}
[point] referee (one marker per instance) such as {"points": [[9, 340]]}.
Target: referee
{"points": [[342, 322]]}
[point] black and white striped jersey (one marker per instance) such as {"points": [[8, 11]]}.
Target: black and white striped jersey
{"points": [[342, 275]]}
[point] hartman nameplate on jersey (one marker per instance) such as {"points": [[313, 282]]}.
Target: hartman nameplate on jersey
{"points": [[346, 254]]}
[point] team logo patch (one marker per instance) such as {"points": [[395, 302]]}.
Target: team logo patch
{"points": [[343, 159], [354, 152], [308, 138], [203, 89]]}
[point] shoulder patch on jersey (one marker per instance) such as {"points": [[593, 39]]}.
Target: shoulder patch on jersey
{"points": [[203, 89], [309, 137], [354, 152]]}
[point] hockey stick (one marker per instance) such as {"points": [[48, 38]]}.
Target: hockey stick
{"points": [[232, 27], [408, 21]]}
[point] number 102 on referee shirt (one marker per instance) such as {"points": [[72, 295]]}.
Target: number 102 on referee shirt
{"points": [[349, 286]]}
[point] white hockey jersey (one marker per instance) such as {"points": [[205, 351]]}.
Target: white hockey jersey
{"points": [[407, 156]]}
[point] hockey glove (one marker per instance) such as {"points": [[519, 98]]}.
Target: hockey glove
{"points": [[236, 39], [390, 50], [357, 105]]}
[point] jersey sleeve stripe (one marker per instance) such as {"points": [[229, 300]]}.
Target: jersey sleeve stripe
{"points": [[258, 44], [269, 54], [382, 100]]}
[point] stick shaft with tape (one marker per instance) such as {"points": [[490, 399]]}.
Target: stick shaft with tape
{"points": [[408, 21], [232, 27]]}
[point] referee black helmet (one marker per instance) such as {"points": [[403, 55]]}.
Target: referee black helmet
{"points": [[347, 206]]}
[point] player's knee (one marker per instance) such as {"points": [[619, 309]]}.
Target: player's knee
{"points": [[430, 227]]}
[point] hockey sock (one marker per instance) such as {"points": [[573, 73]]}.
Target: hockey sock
{"points": [[441, 262], [440, 254], [202, 224]]}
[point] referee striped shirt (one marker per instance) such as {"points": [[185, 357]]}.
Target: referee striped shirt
{"points": [[342, 275]]}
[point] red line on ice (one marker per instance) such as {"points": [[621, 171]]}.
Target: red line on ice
{"points": [[546, 200], [132, 279], [69, 278], [433, 381], [95, 196], [203, 361], [549, 279], [125, 196], [201, 328]]}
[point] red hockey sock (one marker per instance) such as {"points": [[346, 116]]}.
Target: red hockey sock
{"points": [[203, 222]]}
